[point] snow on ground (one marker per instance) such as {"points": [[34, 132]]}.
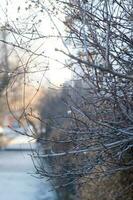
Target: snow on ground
{"points": [[16, 174]]}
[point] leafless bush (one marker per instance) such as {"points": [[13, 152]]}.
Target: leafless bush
{"points": [[99, 135], [94, 135]]}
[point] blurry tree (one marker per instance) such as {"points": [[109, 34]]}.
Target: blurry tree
{"points": [[4, 66], [4, 71]]}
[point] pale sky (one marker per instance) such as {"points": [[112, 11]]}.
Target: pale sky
{"points": [[9, 12]]}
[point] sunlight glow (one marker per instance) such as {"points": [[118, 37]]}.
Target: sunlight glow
{"points": [[12, 10]]}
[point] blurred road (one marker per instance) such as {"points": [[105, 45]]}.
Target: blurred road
{"points": [[16, 177]]}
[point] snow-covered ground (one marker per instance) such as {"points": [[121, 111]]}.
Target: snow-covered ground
{"points": [[17, 181]]}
